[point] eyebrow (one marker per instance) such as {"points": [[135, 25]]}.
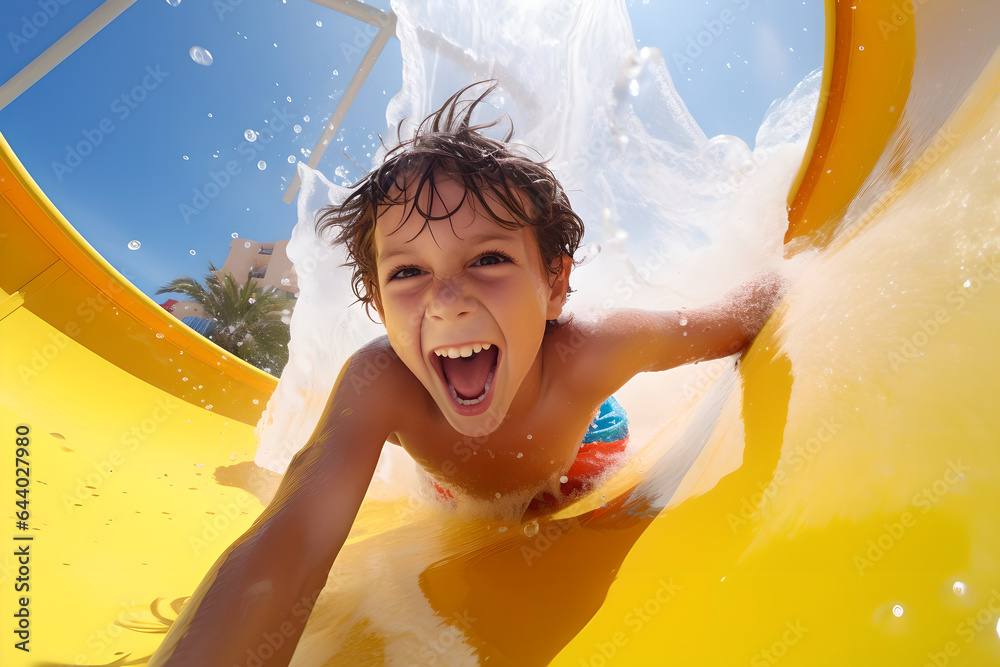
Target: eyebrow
{"points": [[474, 241]]}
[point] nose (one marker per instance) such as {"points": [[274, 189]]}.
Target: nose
{"points": [[449, 300]]}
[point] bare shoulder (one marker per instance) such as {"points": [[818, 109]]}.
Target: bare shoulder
{"points": [[374, 392], [578, 350], [375, 370]]}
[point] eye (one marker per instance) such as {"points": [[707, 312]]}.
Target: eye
{"points": [[492, 258], [404, 272]]}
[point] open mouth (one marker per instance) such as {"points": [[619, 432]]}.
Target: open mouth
{"points": [[467, 371]]}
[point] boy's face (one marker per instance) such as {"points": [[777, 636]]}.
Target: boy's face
{"points": [[464, 302]]}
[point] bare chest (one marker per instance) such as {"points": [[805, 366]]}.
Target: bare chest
{"points": [[525, 452]]}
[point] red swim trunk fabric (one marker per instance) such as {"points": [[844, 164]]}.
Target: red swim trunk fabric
{"points": [[593, 460]]}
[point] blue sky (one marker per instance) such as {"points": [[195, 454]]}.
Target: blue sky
{"points": [[160, 130]]}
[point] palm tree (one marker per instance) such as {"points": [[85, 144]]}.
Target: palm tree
{"points": [[248, 317]]}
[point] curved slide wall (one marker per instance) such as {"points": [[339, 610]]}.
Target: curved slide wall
{"points": [[857, 528]]}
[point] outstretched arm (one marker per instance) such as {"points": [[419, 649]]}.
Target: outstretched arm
{"points": [[255, 600], [625, 342]]}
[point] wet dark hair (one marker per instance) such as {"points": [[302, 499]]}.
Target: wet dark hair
{"points": [[446, 145]]}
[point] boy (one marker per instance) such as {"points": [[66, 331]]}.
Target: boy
{"points": [[464, 248]]}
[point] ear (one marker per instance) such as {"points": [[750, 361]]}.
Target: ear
{"points": [[560, 285]]}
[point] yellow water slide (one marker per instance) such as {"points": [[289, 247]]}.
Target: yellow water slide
{"points": [[844, 509]]}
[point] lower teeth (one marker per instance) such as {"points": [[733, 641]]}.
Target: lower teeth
{"points": [[474, 401]]}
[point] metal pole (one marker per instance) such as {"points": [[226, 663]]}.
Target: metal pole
{"points": [[62, 49], [387, 29]]}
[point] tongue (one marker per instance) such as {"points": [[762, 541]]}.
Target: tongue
{"points": [[468, 374]]}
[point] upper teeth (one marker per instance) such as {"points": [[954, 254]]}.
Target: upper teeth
{"points": [[464, 351]]}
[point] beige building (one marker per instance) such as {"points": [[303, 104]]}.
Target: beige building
{"points": [[266, 264]]}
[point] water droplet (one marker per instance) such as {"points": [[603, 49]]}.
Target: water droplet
{"points": [[184, 379], [502, 529], [134, 245], [235, 235], [173, 3], [497, 494], [209, 406], [232, 457], [297, 128], [246, 244], [682, 321], [186, 157], [159, 335], [520, 454], [897, 610], [200, 55], [563, 479], [336, 73], [306, 118], [529, 436], [252, 300], [210, 115], [531, 529], [861, 48], [621, 234], [262, 165], [255, 401], [192, 252], [959, 588], [305, 151], [291, 159], [250, 135], [288, 98], [319, 24]]}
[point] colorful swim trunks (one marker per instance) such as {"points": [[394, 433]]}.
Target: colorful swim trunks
{"points": [[600, 453]]}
